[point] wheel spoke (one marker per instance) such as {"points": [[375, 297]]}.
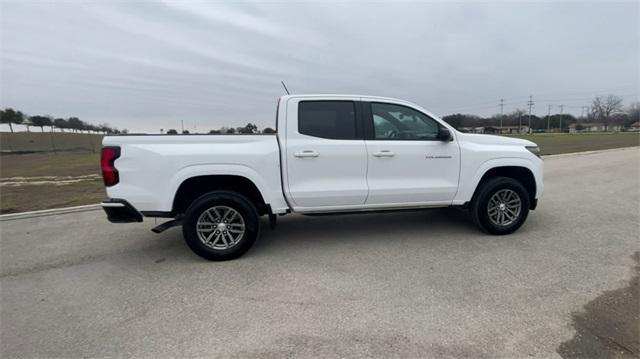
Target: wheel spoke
{"points": [[224, 239], [229, 211], [210, 216], [205, 228]]}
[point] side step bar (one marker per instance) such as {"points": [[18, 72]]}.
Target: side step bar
{"points": [[166, 225], [273, 220]]}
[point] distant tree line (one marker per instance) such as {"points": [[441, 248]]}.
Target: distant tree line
{"points": [[607, 110], [72, 124], [248, 129]]}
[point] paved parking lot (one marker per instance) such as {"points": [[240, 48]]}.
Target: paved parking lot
{"points": [[411, 284]]}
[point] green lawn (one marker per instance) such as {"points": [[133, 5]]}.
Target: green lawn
{"points": [[551, 144]]}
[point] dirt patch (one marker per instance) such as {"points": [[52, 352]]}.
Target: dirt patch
{"points": [[34, 197], [45, 180], [608, 326]]}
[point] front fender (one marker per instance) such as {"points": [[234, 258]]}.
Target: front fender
{"points": [[468, 187]]}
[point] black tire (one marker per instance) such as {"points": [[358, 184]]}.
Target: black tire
{"points": [[232, 200], [479, 205]]}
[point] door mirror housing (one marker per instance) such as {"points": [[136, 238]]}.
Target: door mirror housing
{"points": [[444, 134]]}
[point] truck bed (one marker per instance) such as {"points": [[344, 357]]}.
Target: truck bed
{"points": [[152, 167]]}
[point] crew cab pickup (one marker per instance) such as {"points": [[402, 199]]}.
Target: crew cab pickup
{"points": [[330, 154]]}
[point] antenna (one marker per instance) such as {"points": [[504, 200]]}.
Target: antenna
{"points": [[285, 87]]}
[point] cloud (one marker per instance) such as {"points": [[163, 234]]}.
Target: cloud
{"points": [[148, 65]]}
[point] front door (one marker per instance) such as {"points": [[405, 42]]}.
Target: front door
{"points": [[408, 163], [326, 157]]}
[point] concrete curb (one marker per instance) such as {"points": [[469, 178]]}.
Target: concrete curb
{"points": [[49, 212], [590, 152]]}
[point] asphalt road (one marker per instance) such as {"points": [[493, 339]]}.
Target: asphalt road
{"points": [[410, 284]]}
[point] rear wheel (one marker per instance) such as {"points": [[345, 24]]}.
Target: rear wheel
{"points": [[221, 225], [500, 206]]}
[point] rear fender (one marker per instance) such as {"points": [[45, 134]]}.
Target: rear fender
{"points": [[226, 169]]}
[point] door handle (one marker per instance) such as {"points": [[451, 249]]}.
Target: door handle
{"points": [[384, 153], [306, 154]]}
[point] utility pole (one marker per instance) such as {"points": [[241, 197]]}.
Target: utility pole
{"points": [[561, 110], [530, 104], [549, 119], [501, 113], [182, 125], [519, 121]]}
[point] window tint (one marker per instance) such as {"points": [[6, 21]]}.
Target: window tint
{"points": [[327, 119], [395, 122]]}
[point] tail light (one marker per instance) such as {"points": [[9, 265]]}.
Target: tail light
{"points": [[109, 171]]}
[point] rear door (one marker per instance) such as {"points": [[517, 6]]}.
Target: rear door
{"points": [[326, 158], [408, 163]]}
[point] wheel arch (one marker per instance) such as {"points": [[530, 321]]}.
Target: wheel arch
{"points": [[195, 186], [520, 173]]}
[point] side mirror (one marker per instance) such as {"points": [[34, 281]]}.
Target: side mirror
{"points": [[444, 134]]}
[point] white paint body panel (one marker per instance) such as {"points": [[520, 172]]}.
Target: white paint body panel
{"points": [[336, 177], [343, 177], [151, 168], [419, 172]]}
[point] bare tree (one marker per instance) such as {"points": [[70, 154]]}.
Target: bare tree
{"points": [[602, 108], [634, 112]]}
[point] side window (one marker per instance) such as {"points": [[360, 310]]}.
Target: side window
{"points": [[327, 119], [396, 122]]}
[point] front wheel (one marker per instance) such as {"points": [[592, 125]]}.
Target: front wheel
{"points": [[221, 225], [500, 206]]}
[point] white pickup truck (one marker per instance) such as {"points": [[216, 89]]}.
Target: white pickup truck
{"points": [[330, 153]]}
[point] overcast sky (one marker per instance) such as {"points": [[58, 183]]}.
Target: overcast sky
{"points": [[148, 65]]}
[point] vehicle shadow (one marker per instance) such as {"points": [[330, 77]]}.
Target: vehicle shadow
{"points": [[299, 235], [434, 225]]}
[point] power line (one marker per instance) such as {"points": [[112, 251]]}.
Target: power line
{"points": [[595, 92]]}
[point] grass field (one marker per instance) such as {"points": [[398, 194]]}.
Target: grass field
{"points": [[46, 180], [551, 144], [46, 141]]}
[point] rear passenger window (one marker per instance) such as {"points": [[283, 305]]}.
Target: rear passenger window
{"points": [[327, 119]]}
